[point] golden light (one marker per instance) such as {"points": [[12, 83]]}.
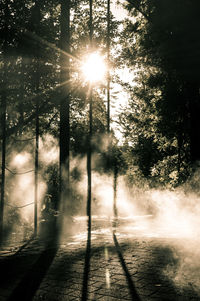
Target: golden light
{"points": [[94, 67], [20, 159]]}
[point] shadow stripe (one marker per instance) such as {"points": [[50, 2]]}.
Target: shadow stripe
{"points": [[31, 281], [87, 265], [132, 289]]}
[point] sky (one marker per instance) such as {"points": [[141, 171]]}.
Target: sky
{"points": [[118, 11], [121, 96]]}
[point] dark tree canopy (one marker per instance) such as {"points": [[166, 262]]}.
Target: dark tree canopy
{"points": [[163, 50]]}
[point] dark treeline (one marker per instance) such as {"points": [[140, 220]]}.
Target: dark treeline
{"points": [[40, 56], [162, 120]]}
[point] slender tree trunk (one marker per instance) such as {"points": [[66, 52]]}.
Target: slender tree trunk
{"points": [[89, 150], [89, 164], [36, 166], [3, 162], [22, 93], [37, 19], [89, 153], [115, 211], [64, 105], [115, 172], [89, 177], [3, 121], [108, 66]]}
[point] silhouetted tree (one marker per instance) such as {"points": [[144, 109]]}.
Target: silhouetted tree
{"points": [[163, 46]]}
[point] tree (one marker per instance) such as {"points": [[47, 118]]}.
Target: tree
{"points": [[165, 101], [26, 72], [64, 102], [36, 17], [3, 116], [37, 87]]}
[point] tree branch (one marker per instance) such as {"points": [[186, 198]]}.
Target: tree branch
{"points": [[137, 7]]}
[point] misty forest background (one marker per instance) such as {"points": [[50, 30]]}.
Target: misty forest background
{"points": [[159, 146]]}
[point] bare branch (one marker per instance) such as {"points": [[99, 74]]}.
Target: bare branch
{"points": [[18, 207], [19, 173]]}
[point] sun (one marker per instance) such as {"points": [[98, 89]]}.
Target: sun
{"points": [[94, 67]]}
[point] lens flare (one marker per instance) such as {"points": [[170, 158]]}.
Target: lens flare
{"points": [[94, 68]]}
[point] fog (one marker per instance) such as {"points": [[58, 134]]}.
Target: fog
{"points": [[20, 181], [169, 216], [162, 214]]}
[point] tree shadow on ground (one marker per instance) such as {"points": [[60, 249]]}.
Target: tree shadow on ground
{"points": [[132, 289], [31, 280], [152, 278], [24, 270], [144, 265], [87, 265], [162, 264], [14, 267]]}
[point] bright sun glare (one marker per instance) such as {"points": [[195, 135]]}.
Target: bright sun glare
{"points": [[94, 68]]}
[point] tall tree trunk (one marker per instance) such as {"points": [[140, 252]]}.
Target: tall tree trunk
{"points": [[115, 171], [3, 120], [64, 104], [3, 126], [108, 66], [36, 77], [36, 166], [89, 176], [89, 153], [89, 163]]}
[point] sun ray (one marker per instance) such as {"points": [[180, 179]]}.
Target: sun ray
{"points": [[50, 45]]}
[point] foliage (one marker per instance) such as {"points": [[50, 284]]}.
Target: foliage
{"points": [[30, 73], [160, 124]]}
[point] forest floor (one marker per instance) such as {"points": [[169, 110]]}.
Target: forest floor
{"points": [[131, 264]]}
